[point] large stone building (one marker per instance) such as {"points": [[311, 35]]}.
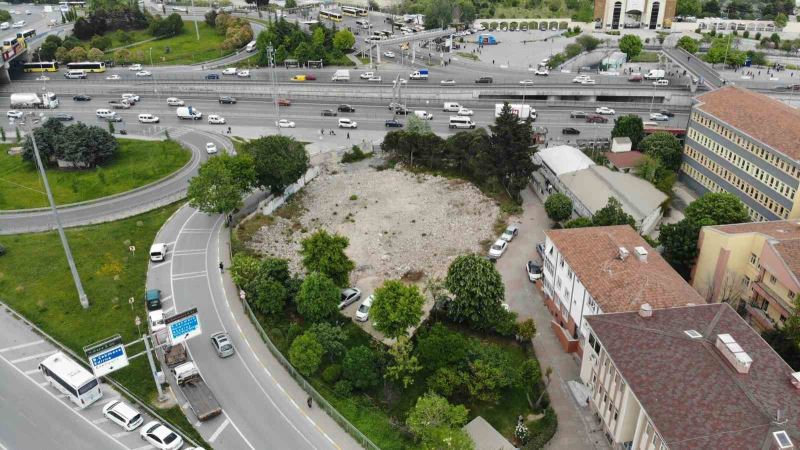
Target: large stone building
{"points": [[652, 14], [748, 144]]}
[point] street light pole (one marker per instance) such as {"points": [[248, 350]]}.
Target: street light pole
{"points": [[196, 28], [75, 276], [271, 61]]}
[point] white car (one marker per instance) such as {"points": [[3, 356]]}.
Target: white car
{"points": [[580, 78], [465, 112], [113, 77], [229, 71], [284, 123], [160, 437], [526, 82], [362, 314], [144, 73], [43, 78], [173, 101], [533, 270], [661, 82], [19, 24], [15, 114], [243, 73], [367, 75], [131, 97], [347, 123], [402, 81], [589, 81], [605, 110], [389, 54], [375, 79], [123, 415], [448, 82], [498, 248], [211, 148], [510, 233], [28, 12], [658, 117], [148, 118], [215, 119], [135, 67], [542, 72]]}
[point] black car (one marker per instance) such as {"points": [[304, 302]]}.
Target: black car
{"points": [[346, 108], [392, 123], [402, 111], [329, 112], [63, 117], [152, 299], [570, 130], [212, 76], [667, 113], [81, 98], [487, 80], [228, 100]]}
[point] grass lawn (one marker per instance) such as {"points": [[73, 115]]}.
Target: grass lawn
{"points": [[183, 48], [645, 57], [35, 280], [137, 163]]}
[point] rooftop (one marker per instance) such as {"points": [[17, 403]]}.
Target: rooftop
{"points": [[625, 160], [563, 159], [762, 117], [782, 235], [692, 394], [485, 436], [617, 285]]}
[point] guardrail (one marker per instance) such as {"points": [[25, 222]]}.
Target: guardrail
{"points": [[130, 395]]}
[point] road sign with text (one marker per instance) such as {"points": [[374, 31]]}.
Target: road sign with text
{"points": [[182, 326], [107, 356]]}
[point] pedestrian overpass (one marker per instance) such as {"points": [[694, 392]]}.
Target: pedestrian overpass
{"points": [[427, 35]]}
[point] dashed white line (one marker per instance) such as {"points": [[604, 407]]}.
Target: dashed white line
{"points": [[17, 347], [219, 430], [38, 355], [179, 277], [100, 420]]}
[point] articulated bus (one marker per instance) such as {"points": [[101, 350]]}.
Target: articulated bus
{"points": [[334, 16], [88, 66], [27, 34], [44, 66], [353, 11], [71, 379]]}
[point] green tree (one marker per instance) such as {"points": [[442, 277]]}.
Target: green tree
{"points": [[332, 338], [5, 16], [665, 147], [558, 207], [100, 42], [77, 54], [86, 146], [324, 253], [579, 222], [417, 125], [267, 295], [689, 44], [509, 158], [679, 241], [711, 9], [220, 184], [630, 126], [396, 307], [781, 20], [612, 214], [721, 208], [318, 297], [62, 55], [631, 45], [438, 13], [122, 55], [434, 422], [439, 347], [360, 367], [244, 269], [588, 42], [48, 141], [211, 18], [477, 289], [344, 40], [689, 8], [95, 54], [47, 51], [404, 364], [305, 354], [279, 161]]}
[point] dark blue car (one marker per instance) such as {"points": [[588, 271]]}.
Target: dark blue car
{"points": [[391, 123], [212, 76]]}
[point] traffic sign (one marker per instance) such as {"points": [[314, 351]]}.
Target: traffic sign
{"points": [[107, 356], [183, 326]]}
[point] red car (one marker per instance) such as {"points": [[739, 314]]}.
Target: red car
{"points": [[310, 77], [595, 118], [284, 102]]}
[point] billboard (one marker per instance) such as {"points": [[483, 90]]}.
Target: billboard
{"points": [[107, 356], [182, 326]]}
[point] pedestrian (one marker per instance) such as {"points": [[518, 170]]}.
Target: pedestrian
{"points": [[221, 267], [322, 131], [492, 62], [309, 401], [348, 135], [229, 130]]}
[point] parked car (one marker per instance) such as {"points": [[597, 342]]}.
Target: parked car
{"points": [[211, 148], [577, 114], [285, 123], [349, 296], [540, 250], [212, 76], [486, 80], [593, 118], [605, 110], [498, 248], [222, 344], [284, 102], [658, 117], [570, 130], [161, 437], [346, 108], [533, 270], [510, 233], [82, 98], [215, 119], [393, 123], [123, 415], [227, 100], [362, 314]]}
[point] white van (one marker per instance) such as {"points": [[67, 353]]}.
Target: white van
{"points": [[104, 113], [424, 115], [75, 74], [148, 118], [451, 107], [347, 123], [461, 122], [251, 47], [131, 98], [5, 26], [156, 320], [158, 252], [174, 101]]}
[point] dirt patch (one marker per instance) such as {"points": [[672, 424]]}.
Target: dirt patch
{"points": [[399, 224]]}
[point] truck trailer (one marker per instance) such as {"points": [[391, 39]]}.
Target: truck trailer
{"points": [[32, 100], [521, 111], [341, 75], [421, 74], [201, 400]]}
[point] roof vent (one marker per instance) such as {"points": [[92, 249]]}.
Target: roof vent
{"points": [[646, 310], [734, 353], [623, 253], [693, 334], [796, 380], [641, 253], [782, 439]]}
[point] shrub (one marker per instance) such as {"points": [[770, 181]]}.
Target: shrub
{"points": [[746, 34], [343, 387], [3, 250], [332, 373], [506, 323], [758, 36], [360, 367], [513, 25], [563, 25], [355, 154]]}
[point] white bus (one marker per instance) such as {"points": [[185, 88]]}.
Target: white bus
{"points": [[71, 379]]}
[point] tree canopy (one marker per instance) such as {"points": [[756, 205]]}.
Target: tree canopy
{"points": [[360, 367], [631, 45], [630, 126], [612, 214], [324, 253], [80, 144], [689, 44], [665, 147], [396, 307], [318, 297], [221, 182], [558, 207], [433, 418], [510, 156], [719, 208], [477, 289], [306, 352], [279, 161]]}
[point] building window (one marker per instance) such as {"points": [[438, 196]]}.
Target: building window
{"points": [[791, 295], [569, 273], [746, 281], [753, 259], [772, 279]]}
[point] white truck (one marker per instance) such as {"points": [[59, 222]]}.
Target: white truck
{"points": [[341, 75], [521, 111], [187, 112], [654, 74], [32, 100], [200, 398], [421, 74]]}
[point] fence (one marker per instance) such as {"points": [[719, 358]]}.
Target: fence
{"points": [[130, 395]]}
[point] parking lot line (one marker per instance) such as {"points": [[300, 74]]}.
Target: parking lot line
{"points": [[38, 355], [17, 347]]}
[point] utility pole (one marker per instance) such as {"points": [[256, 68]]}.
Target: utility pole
{"points": [[75, 276], [271, 61], [196, 28], [149, 352]]}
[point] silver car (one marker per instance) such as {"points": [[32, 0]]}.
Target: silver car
{"points": [[349, 296], [222, 344]]}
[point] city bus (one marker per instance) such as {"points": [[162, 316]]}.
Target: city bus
{"points": [[13, 41], [88, 66], [43, 66], [27, 34], [353, 11], [334, 16], [71, 379]]}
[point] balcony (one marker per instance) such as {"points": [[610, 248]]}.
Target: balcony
{"points": [[765, 292], [760, 318]]}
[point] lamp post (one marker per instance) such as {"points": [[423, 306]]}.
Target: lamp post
{"points": [[75, 276], [196, 27], [271, 61]]}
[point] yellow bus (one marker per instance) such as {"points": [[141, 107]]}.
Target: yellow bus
{"points": [[44, 66], [353, 11], [88, 66], [334, 16]]}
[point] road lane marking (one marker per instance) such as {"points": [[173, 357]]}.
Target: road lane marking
{"points": [[170, 309], [144, 447], [17, 347], [196, 230], [188, 253], [219, 430], [189, 276], [100, 420], [32, 371], [38, 355], [120, 434]]}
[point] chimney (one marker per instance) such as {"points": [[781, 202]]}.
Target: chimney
{"points": [[623, 253], [796, 380], [641, 253], [646, 310], [734, 353]]}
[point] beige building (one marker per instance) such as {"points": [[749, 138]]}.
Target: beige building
{"points": [[755, 263], [652, 14], [694, 377]]}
